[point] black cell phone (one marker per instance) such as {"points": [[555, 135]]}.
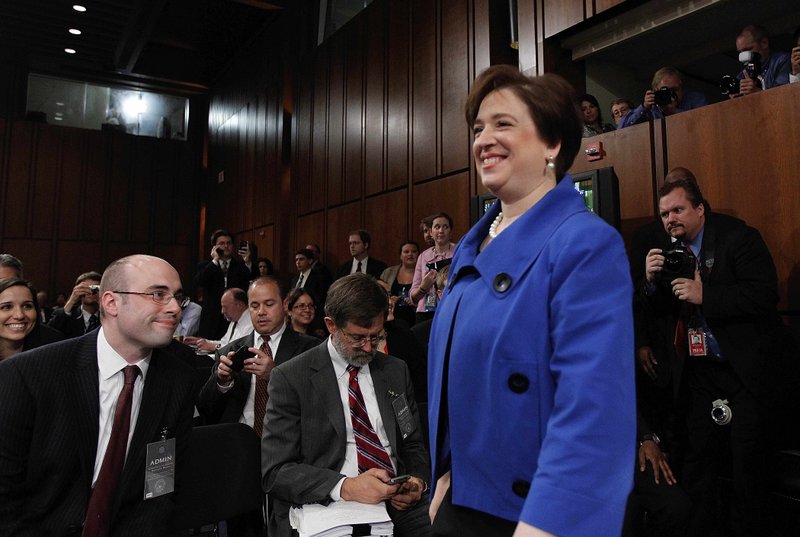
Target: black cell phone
{"points": [[242, 354], [220, 252], [243, 245], [438, 265], [399, 479]]}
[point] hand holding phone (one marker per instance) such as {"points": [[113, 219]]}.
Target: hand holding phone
{"points": [[242, 354], [399, 479]]}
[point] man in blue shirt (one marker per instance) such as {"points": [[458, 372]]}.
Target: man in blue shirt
{"points": [[670, 78], [774, 65]]}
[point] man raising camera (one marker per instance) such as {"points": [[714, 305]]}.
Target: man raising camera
{"points": [[773, 67], [713, 297], [665, 97]]}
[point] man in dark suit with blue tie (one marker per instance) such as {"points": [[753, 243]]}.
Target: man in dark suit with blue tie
{"points": [[81, 419], [342, 420]]}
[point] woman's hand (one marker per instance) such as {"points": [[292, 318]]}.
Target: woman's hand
{"points": [[441, 488]]}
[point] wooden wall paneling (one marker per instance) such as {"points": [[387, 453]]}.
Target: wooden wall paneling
{"points": [[141, 213], [336, 108], [265, 239], [76, 157], [302, 183], [38, 262], [310, 230], [179, 256], [751, 177], [356, 43], [120, 201], [386, 218], [562, 14], [528, 28], [602, 5], [168, 201], [375, 98], [260, 176], [250, 183], [629, 152], [21, 170], [319, 133], [268, 181], [341, 221], [45, 181], [71, 265], [478, 36], [455, 71], [398, 98], [425, 109], [96, 202], [449, 194]]}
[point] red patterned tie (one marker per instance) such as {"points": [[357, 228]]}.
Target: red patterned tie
{"points": [[370, 450], [98, 514], [260, 402]]}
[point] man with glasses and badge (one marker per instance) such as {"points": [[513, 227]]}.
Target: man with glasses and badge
{"points": [[92, 428], [342, 421]]}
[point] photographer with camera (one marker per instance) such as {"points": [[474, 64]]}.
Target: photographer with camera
{"points": [[712, 292], [80, 314], [763, 69], [666, 97]]}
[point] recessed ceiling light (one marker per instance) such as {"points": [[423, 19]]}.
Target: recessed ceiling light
{"points": [[57, 118], [69, 50], [74, 31], [59, 114], [59, 104], [78, 7]]}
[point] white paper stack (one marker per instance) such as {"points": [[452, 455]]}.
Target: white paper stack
{"points": [[337, 519]]}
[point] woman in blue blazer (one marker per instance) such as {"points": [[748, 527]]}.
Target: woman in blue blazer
{"points": [[531, 385]]}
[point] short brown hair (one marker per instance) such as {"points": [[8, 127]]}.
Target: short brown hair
{"points": [[693, 193], [551, 101], [356, 298]]}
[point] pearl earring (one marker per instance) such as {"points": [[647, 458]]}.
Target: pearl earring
{"points": [[550, 163]]}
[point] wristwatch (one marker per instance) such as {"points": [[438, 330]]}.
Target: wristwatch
{"points": [[650, 436]]}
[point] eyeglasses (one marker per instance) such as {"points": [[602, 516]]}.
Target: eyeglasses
{"points": [[304, 307], [360, 341], [161, 297]]}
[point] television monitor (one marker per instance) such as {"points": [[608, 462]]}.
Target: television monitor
{"points": [[600, 191]]}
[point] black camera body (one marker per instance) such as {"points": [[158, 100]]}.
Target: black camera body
{"points": [[679, 262], [729, 85], [438, 265], [664, 96]]}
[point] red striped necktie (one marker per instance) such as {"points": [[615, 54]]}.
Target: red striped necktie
{"points": [[368, 446]]}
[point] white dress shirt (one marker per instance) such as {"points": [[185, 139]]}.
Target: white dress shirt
{"points": [[110, 365], [303, 275], [354, 266], [242, 328], [350, 466], [248, 412]]}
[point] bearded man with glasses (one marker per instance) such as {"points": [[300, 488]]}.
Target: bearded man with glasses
{"points": [[342, 420]]}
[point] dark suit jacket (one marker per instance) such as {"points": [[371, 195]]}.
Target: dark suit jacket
{"points": [[49, 411], [218, 407], [740, 296], [210, 277], [304, 442], [70, 324], [42, 335], [374, 268]]}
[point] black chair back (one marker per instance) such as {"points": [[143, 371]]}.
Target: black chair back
{"points": [[221, 476]]}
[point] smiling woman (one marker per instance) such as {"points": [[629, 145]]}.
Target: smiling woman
{"points": [[17, 315]]}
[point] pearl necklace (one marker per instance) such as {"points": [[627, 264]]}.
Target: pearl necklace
{"points": [[493, 228]]}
